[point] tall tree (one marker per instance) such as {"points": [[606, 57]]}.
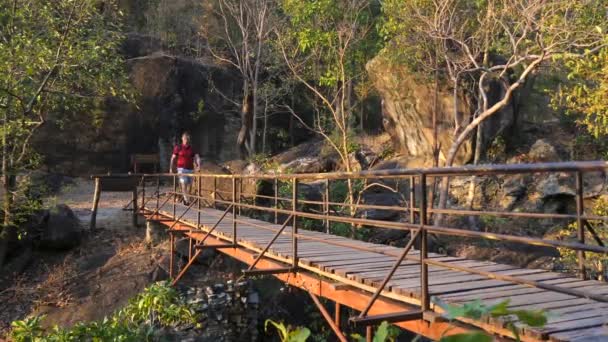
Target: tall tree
{"points": [[237, 33], [325, 45], [523, 34], [57, 57]]}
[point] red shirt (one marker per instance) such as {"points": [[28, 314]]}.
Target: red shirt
{"points": [[185, 156]]}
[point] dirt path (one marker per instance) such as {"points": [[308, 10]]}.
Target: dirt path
{"points": [[88, 282], [79, 196]]}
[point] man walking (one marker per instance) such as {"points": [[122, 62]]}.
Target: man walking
{"points": [[187, 162]]}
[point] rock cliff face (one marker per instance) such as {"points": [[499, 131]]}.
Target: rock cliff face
{"points": [[408, 107], [178, 94], [173, 94]]}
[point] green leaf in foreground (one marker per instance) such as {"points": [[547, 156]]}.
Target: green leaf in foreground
{"points": [[467, 337], [286, 334]]}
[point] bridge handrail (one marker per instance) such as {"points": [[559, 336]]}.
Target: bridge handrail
{"points": [[421, 226], [466, 170]]}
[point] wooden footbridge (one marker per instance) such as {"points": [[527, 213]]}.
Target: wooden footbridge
{"points": [[266, 222]]}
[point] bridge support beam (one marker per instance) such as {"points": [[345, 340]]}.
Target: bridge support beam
{"points": [[278, 270], [403, 316], [327, 316], [350, 296], [199, 246]]}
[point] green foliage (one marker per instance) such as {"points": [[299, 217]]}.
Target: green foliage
{"points": [[477, 310], [27, 330], [326, 45], [287, 333], [410, 44], [490, 221], [336, 138], [384, 333], [583, 93], [387, 152], [497, 150], [286, 189], [454, 39], [60, 62], [159, 305], [315, 29], [200, 112], [588, 147], [595, 263], [338, 189], [265, 161]]}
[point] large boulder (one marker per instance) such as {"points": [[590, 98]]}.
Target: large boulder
{"points": [[384, 198], [555, 185], [314, 164], [309, 157], [408, 107], [366, 157], [62, 230], [543, 151]]}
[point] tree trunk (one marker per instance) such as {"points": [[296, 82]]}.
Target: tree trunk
{"points": [[445, 181], [291, 126], [473, 184], [243, 137], [482, 107], [265, 128], [496, 107], [254, 120], [435, 136], [6, 200]]}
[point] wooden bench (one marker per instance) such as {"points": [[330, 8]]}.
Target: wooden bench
{"points": [[145, 159]]}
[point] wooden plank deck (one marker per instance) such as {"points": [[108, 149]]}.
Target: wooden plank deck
{"points": [[571, 318]]}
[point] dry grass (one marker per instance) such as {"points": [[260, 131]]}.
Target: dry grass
{"points": [[132, 247], [54, 290]]}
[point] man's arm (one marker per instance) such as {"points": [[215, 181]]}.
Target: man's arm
{"points": [[197, 161], [171, 163]]}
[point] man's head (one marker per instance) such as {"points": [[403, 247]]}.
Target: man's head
{"points": [[186, 138]]}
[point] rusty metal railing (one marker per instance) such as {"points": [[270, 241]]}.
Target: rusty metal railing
{"points": [[229, 192]]}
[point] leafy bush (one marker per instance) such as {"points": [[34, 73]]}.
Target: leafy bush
{"points": [[159, 305], [477, 310], [385, 332], [264, 160], [27, 330], [287, 333], [338, 189], [336, 138]]}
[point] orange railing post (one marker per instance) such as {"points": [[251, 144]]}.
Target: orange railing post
{"points": [[424, 268], [580, 223], [294, 227]]}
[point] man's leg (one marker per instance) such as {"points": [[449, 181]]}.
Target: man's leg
{"points": [[188, 190], [183, 187]]}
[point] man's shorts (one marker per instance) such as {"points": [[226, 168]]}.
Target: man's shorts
{"points": [[184, 179]]}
